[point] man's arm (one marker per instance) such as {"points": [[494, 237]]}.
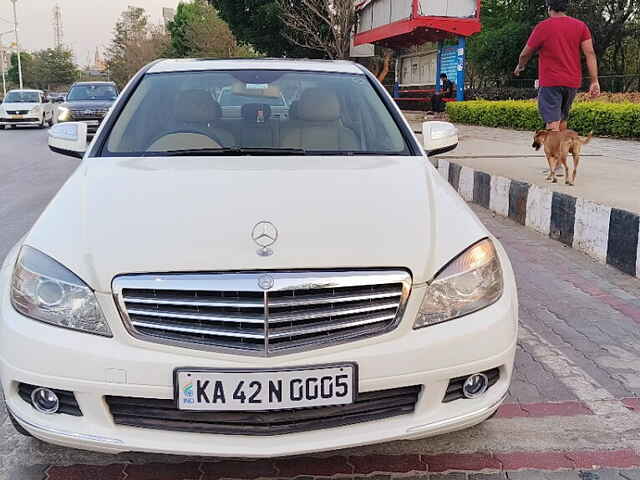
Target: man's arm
{"points": [[450, 89], [525, 56], [592, 65]]}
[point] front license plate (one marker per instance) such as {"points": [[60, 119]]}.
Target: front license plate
{"points": [[265, 389], [17, 117]]}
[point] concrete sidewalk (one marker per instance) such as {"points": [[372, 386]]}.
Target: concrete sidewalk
{"points": [[599, 216], [609, 171]]}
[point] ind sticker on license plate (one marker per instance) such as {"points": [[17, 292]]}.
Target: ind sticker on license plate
{"points": [[265, 389]]}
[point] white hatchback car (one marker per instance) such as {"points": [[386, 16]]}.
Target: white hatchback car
{"points": [[26, 108], [254, 286]]}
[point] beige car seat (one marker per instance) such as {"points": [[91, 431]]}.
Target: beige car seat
{"points": [[317, 124], [196, 111]]}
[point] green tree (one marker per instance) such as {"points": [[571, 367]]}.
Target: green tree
{"points": [[198, 31], [321, 25], [53, 67], [493, 53], [135, 43], [506, 25], [28, 77], [259, 23]]}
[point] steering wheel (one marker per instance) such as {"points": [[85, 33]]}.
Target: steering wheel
{"points": [[183, 140]]}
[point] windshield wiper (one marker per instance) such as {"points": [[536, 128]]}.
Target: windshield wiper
{"points": [[231, 151], [349, 153]]}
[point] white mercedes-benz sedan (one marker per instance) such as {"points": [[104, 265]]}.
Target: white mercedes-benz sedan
{"points": [[258, 285]]}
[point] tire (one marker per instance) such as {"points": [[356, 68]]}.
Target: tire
{"points": [[19, 428], [50, 122]]}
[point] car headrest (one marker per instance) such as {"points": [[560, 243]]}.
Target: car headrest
{"points": [[256, 112], [318, 105], [196, 106]]}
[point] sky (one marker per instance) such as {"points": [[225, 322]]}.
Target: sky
{"points": [[87, 24]]}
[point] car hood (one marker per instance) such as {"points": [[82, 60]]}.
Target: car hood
{"points": [[88, 104], [186, 214], [19, 106]]}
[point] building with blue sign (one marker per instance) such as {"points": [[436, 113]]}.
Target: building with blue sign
{"points": [[439, 27]]}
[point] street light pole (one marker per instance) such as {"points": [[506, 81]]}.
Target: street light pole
{"points": [[15, 24]]}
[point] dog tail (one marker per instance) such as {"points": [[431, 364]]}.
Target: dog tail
{"points": [[587, 139]]}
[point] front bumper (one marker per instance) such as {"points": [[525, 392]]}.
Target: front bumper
{"points": [[93, 367], [24, 122]]}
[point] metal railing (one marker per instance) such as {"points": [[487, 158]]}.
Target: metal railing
{"points": [[608, 83]]}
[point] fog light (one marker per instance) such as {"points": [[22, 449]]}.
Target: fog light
{"points": [[45, 400], [475, 385]]}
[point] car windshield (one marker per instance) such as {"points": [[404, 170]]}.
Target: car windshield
{"points": [[22, 97], [244, 112], [92, 92]]}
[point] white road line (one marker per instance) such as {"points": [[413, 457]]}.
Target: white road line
{"points": [[598, 399]]}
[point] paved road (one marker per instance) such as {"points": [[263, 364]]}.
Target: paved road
{"points": [[29, 176], [608, 172], [573, 403]]}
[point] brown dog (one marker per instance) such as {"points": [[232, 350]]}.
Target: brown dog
{"points": [[557, 146]]}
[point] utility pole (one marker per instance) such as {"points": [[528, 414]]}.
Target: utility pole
{"points": [[15, 24], [58, 33], [4, 82]]}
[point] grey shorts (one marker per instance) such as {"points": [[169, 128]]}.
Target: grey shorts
{"points": [[554, 103]]}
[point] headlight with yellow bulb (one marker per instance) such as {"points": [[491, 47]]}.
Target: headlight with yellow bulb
{"points": [[64, 114]]}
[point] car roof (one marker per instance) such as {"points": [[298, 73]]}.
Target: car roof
{"points": [[185, 65], [94, 83], [26, 90]]}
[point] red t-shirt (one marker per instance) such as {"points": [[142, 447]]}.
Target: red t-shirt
{"points": [[557, 40]]}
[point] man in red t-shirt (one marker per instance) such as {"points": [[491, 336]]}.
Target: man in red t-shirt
{"points": [[558, 41]]}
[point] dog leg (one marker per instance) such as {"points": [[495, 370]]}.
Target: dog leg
{"points": [[550, 162], [576, 161], [565, 164], [552, 172]]}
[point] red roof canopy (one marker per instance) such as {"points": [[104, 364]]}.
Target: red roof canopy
{"points": [[418, 29]]}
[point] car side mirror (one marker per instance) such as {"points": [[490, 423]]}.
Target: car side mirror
{"points": [[439, 137], [69, 139]]}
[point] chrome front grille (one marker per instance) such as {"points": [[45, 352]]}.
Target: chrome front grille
{"points": [[89, 114], [262, 313]]}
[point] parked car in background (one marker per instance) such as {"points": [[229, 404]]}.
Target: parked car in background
{"points": [[88, 102], [233, 98], [58, 97], [26, 108], [254, 286]]}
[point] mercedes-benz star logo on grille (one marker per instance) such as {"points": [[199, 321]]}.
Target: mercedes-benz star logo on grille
{"points": [[88, 112], [265, 282], [264, 234]]}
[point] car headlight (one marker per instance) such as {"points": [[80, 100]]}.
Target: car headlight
{"points": [[37, 109], [44, 290], [64, 114], [470, 282]]}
